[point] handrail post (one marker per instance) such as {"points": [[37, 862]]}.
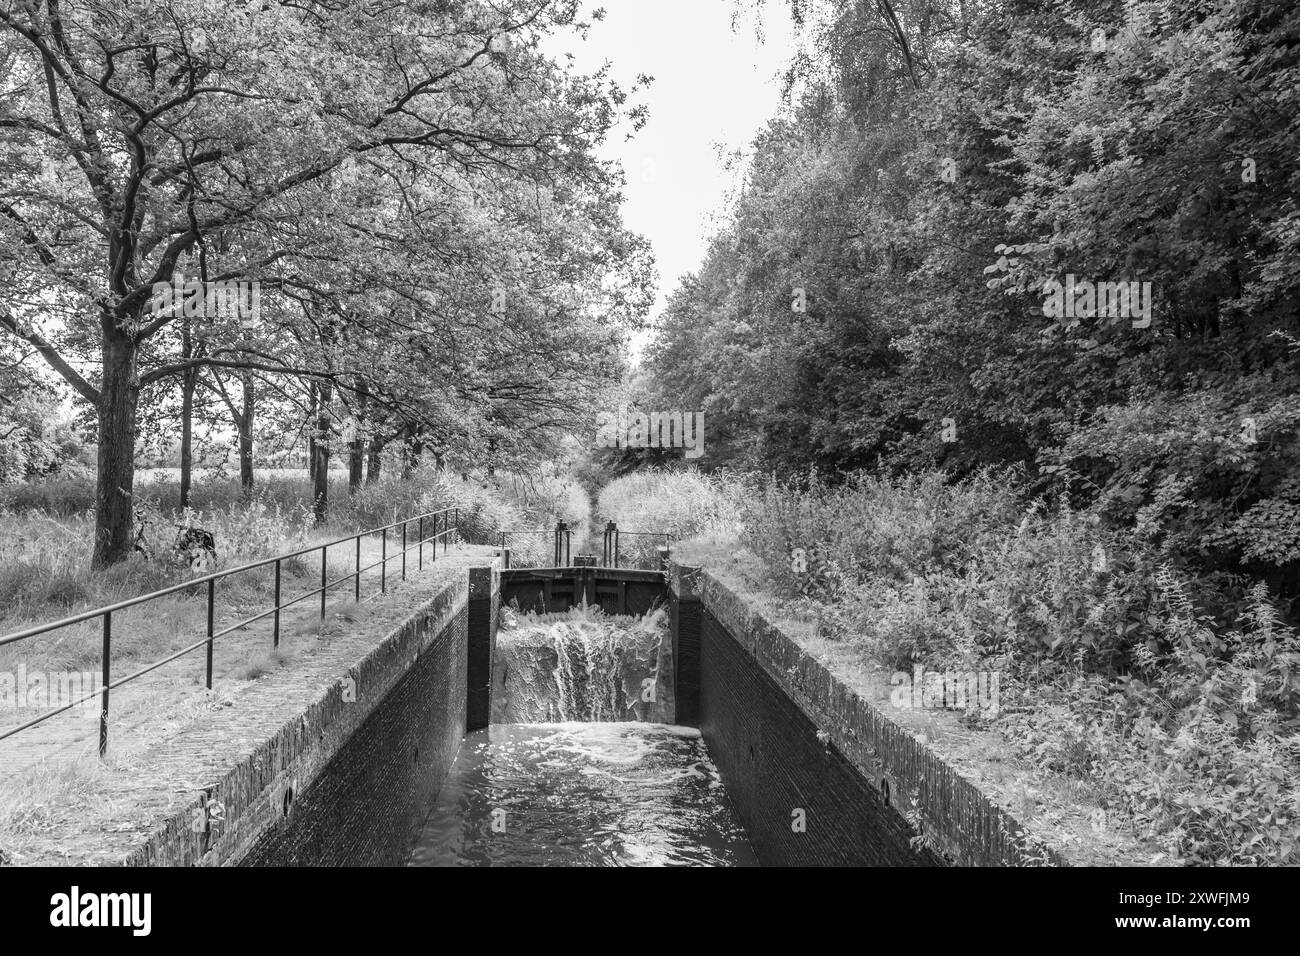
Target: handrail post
{"points": [[106, 671], [277, 604], [403, 550], [383, 563], [562, 555], [419, 566], [356, 584], [434, 556], [446, 527], [212, 594]]}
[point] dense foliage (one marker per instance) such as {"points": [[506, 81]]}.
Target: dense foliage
{"points": [[1096, 500], [414, 188], [877, 298]]}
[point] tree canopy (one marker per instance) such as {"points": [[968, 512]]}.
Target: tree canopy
{"points": [[413, 188], [879, 297]]}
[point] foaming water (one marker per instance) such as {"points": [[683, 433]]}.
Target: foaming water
{"points": [[583, 794], [582, 665]]}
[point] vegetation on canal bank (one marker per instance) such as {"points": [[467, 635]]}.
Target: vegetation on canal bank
{"points": [[1173, 702]]}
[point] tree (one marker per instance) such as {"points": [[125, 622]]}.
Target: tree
{"points": [[136, 136], [919, 204]]}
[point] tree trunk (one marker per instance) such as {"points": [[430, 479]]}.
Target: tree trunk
{"points": [[357, 446], [356, 461], [119, 400], [372, 459], [246, 436], [412, 449], [321, 477], [417, 451], [311, 433], [189, 382]]}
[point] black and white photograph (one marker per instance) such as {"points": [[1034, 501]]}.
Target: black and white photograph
{"points": [[650, 433]]}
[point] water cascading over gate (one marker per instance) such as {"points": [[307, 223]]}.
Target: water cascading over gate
{"points": [[583, 665]]}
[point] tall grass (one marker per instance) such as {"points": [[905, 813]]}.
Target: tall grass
{"points": [[286, 490], [48, 528], [540, 501], [685, 504]]}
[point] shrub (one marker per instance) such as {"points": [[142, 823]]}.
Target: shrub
{"points": [[681, 503]]}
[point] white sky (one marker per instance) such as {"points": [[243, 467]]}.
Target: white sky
{"points": [[714, 87]]}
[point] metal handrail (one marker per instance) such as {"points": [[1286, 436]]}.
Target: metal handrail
{"points": [[613, 534], [564, 539], [106, 612], [561, 531]]}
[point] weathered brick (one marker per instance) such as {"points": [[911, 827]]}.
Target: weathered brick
{"points": [[871, 793]]}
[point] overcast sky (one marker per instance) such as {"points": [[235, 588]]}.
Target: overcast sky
{"points": [[714, 87]]}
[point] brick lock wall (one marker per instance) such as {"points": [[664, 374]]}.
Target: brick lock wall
{"points": [[776, 770], [367, 803], [484, 613], [684, 619], [789, 735]]}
